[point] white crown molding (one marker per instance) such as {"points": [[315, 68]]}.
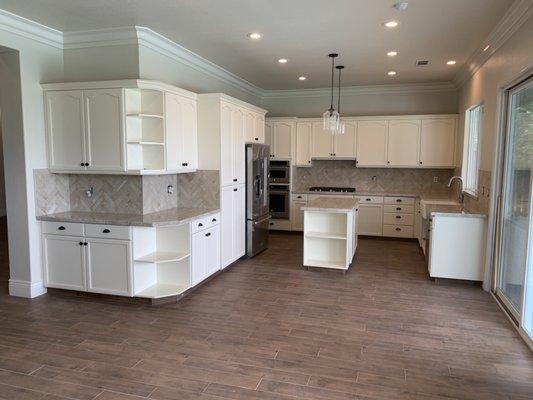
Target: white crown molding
{"points": [[438, 87], [519, 12], [100, 38], [165, 46], [29, 29]]}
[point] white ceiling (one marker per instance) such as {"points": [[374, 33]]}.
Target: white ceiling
{"points": [[304, 31]]}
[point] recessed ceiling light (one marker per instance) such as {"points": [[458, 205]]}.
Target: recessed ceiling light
{"points": [[283, 61], [486, 47], [302, 78], [392, 53], [451, 62], [255, 35], [391, 24], [391, 73]]}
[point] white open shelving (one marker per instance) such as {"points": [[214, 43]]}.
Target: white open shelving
{"points": [[162, 261], [145, 129]]}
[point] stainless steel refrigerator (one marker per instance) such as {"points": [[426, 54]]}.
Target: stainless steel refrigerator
{"points": [[257, 209]]}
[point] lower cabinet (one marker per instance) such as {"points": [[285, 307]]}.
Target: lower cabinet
{"points": [[371, 219], [108, 265], [64, 262], [297, 215], [233, 223], [205, 254]]}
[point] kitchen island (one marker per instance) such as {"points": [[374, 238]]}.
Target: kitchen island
{"points": [[330, 232]]}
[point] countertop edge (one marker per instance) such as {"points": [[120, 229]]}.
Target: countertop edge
{"points": [[456, 214]]}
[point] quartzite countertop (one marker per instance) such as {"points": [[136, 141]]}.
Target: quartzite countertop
{"points": [[332, 204], [173, 216]]}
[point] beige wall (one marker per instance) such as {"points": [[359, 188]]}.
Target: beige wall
{"points": [[508, 62]]}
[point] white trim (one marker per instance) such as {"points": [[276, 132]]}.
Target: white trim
{"points": [[29, 29], [26, 289], [519, 12], [100, 37], [440, 87], [233, 100]]}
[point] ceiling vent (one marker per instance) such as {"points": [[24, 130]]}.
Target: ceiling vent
{"points": [[422, 63]]}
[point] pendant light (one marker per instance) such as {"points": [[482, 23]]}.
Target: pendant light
{"points": [[340, 124], [330, 116]]}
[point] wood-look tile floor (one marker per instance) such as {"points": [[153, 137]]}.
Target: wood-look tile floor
{"points": [[268, 329]]}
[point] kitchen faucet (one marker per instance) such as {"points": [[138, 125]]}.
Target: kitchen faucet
{"points": [[460, 179]]}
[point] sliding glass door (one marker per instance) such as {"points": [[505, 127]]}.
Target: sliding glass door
{"points": [[515, 256]]}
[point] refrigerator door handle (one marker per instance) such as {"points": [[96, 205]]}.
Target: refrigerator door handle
{"points": [[262, 220]]}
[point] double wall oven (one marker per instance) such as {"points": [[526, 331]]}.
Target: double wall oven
{"points": [[279, 185]]}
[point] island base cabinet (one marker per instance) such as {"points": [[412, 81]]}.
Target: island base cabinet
{"points": [[205, 254], [109, 267], [64, 262]]}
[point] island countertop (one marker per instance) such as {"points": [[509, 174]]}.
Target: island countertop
{"points": [[173, 216], [333, 204]]}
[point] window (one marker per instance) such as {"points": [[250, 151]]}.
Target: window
{"points": [[471, 149]]}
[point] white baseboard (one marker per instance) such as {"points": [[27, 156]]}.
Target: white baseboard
{"points": [[26, 289]]}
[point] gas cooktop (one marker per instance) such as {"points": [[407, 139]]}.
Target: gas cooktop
{"points": [[332, 189]]}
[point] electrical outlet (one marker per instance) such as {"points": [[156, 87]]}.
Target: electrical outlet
{"points": [[170, 189], [435, 179]]}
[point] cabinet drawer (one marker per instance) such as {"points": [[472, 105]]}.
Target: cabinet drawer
{"points": [[213, 220], [400, 200], [399, 208], [108, 231], [370, 199], [398, 231], [62, 228], [299, 196], [280, 224], [398, 219], [200, 224]]}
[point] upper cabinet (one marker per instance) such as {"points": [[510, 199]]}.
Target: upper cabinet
{"points": [[437, 142], [279, 135], [303, 144], [327, 146], [403, 143], [254, 127], [372, 143], [344, 146], [129, 127]]}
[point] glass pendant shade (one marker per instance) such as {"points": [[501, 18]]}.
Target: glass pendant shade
{"points": [[330, 119]]}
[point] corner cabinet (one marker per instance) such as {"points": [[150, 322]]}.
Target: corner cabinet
{"points": [[127, 127]]}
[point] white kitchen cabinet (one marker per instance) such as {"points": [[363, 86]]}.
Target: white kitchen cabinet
{"points": [[108, 264], [232, 141], [65, 126], [303, 144], [213, 250], [344, 146], [104, 130], [205, 249], [281, 134], [403, 143], [115, 127], [297, 215], [437, 142], [370, 219], [372, 143], [321, 142], [259, 129], [180, 133], [64, 262], [239, 140], [233, 224]]}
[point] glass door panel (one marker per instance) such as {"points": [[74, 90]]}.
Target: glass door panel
{"points": [[516, 198]]}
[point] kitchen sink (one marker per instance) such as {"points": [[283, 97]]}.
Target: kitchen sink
{"points": [[450, 206]]}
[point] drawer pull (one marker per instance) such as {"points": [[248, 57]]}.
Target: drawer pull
{"points": [[61, 228], [235, 180], [81, 243], [272, 223], [235, 189], [214, 220], [298, 197], [398, 229], [368, 199], [184, 164], [106, 231], [208, 234], [398, 209], [85, 243], [200, 224], [398, 200], [398, 217]]}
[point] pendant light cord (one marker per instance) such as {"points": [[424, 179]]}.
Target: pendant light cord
{"points": [[332, 73]]}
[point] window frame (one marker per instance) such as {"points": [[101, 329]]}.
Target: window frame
{"points": [[471, 182]]}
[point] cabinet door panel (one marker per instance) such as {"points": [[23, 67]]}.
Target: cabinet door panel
{"points": [[249, 126], [403, 143], [173, 130], [64, 262], [226, 225], [226, 144], [303, 144], [239, 222], [437, 143], [109, 266], [322, 141], [237, 125], [344, 145], [259, 129], [199, 258], [269, 137], [370, 219], [298, 215], [372, 143], [65, 129], [104, 129], [189, 143], [282, 132], [213, 250]]}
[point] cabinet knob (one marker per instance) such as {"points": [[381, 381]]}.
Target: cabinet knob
{"points": [[235, 189], [398, 209], [82, 164], [308, 161], [234, 179], [398, 217], [256, 138], [86, 164], [398, 200], [81, 243], [61, 228], [388, 162], [420, 162], [208, 234], [398, 229], [184, 164], [85, 243], [200, 224], [106, 231], [271, 223]]}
